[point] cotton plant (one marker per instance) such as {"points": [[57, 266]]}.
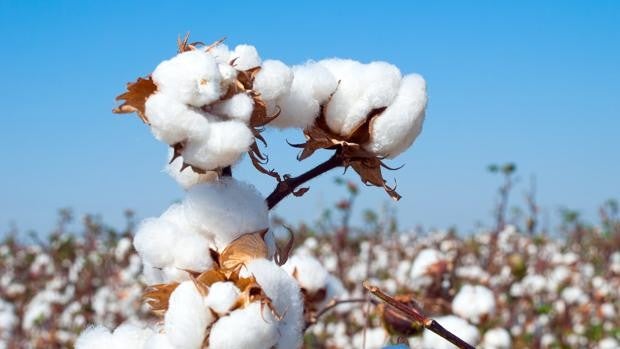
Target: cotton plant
{"points": [[216, 277]]}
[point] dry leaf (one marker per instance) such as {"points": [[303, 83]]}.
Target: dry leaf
{"points": [[245, 248], [158, 296], [135, 97]]}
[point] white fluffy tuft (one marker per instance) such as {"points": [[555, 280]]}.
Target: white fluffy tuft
{"points": [[222, 296], [252, 327], [273, 80], [171, 121], [239, 106], [187, 318], [246, 57]]}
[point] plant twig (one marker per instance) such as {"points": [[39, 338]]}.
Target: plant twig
{"points": [[288, 185], [415, 315], [331, 305]]}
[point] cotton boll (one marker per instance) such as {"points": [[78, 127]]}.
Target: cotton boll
{"points": [[131, 336], [473, 302], [221, 53], [187, 318], [191, 77], [227, 209], [298, 108], [424, 260], [284, 293], [394, 130], [246, 57], [221, 146], [240, 107], [307, 270], [497, 338], [192, 252], [153, 240], [227, 72], [187, 178], [252, 327], [363, 87], [455, 325], [96, 337], [158, 341], [171, 121], [222, 296], [273, 80], [316, 78]]}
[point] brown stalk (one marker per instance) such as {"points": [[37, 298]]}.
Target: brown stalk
{"points": [[415, 315], [289, 185]]}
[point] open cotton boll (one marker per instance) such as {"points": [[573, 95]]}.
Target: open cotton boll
{"points": [[497, 338], [252, 327], [96, 337], [187, 318], [363, 87], [297, 109], [456, 325], [191, 252], [222, 146], [316, 78], [227, 72], [425, 259], [171, 121], [239, 106], [226, 209], [131, 336], [273, 80], [473, 302], [245, 57], [394, 130], [187, 177], [222, 296], [221, 53], [153, 240], [285, 295], [191, 77], [307, 270]]}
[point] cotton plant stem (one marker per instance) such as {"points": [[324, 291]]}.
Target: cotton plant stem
{"points": [[415, 315], [331, 305], [288, 185]]}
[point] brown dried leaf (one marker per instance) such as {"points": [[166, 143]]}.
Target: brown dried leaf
{"points": [[369, 170], [258, 160], [135, 97], [210, 277], [282, 253], [245, 248], [158, 296]]}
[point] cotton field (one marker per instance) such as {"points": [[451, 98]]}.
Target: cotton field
{"points": [[535, 291]]}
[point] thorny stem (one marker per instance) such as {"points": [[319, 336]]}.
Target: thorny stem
{"points": [[415, 315], [288, 185]]}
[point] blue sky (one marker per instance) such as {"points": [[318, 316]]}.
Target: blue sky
{"points": [[530, 82]]}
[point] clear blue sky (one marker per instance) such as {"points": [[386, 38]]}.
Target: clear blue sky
{"points": [[530, 82]]}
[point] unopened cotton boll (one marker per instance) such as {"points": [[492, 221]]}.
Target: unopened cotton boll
{"points": [[497, 338], [273, 80], [285, 295], [222, 296], [245, 57], [473, 302], [456, 325], [252, 327], [188, 177], [363, 87], [187, 318], [239, 106], [222, 145], [394, 130], [226, 209], [171, 121], [191, 77]]}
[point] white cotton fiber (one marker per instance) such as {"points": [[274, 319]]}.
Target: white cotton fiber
{"points": [[496, 338], [298, 108], [424, 260], [317, 79], [187, 318], [252, 327], [246, 57], [308, 271], [226, 209], [171, 121], [455, 325], [221, 53], [158, 341], [187, 177], [473, 302], [363, 87], [222, 296], [96, 337], [397, 127], [191, 77], [273, 80], [227, 72], [131, 336], [222, 145], [239, 106], [192, 252], [284, 293], [153, 240]]}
